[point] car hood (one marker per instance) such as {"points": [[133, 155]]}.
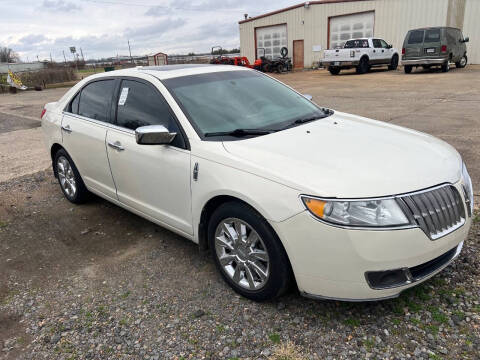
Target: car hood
{"points": [[348, 156]]}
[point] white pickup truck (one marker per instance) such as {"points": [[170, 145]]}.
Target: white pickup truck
{"points": [[361, 54]]}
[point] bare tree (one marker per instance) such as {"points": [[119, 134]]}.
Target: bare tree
{"points": [[8, 55]]}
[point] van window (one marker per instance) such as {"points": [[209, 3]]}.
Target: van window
{"points": [[432, 35], [416, 37]]}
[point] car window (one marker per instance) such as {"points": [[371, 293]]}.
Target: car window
{"points": [[74, 104], [416, 37], [432, 35], [95, 100], [140, 104], [384, 44], [357, 43], [377, 43]]}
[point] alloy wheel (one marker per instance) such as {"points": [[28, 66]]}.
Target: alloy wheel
{"points": [[66, 176], [242, 254]]}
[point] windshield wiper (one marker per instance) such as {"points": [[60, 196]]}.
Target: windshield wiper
{"points": [[308, 119], [239, 132]]}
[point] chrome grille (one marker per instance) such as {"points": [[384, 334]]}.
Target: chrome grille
{"points": [[437, 212]]}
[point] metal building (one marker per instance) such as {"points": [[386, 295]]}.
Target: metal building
{"points": [[308, 28]]}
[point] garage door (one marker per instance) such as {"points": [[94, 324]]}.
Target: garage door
{"points": [[351, 26], [272, 39]]}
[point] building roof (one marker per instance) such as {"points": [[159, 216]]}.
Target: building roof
{"points": [[318, 2]]}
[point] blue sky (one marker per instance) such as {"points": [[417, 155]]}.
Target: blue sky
{"points": [[102, 27]]}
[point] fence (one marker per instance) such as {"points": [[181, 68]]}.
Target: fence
{"points": [[21, 67]]}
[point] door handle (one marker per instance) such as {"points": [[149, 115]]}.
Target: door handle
{"points": [[116, 145], [66, 128]]}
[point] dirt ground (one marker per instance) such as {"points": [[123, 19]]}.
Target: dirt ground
{"points": [[95, 281]]}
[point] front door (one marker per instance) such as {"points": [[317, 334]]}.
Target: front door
{"points": [[84, 128], [298, 52], [153, 179]]}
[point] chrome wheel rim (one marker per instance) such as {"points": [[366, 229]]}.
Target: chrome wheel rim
{"points": [[66, 176], [242, 254], [463, 61]]}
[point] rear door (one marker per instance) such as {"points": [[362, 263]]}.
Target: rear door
{"points": [[432, 44], [153, 179], [414, 44], [84, 128]]}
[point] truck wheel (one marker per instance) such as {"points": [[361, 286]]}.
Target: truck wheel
{"points": [[408, 69], [334, 70], [363, 66], [446, 66], [393, 63], [462, 63]]}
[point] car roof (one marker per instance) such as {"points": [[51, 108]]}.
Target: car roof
{"points": [[435, 27], [172, 71]]}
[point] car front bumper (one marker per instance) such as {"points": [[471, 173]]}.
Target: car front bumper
{"points": [[332, 263], [435, 61]]}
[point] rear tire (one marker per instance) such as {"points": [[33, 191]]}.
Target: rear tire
{"points": [[238, 262], [393, 63], [446, 66], [69, 178], [462, 63], [363, 67], [334, 70], [408, 69]]}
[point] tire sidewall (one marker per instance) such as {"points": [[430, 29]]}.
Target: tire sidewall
{"points": [[79, 194], [279, 267]]}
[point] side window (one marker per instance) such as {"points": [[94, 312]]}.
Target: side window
{"points": [[95, 100], [74, 104], [140, 105], [377, 43], [384, 44]]}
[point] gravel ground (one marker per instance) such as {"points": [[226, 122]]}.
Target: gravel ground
{"points": [[96, 282]]}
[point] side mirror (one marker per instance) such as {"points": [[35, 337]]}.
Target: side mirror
{"points": [[465, 40], [154, 135], [389, 46], [308, 96]]}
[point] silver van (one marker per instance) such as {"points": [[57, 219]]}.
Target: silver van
{"points": [[434, 46]]}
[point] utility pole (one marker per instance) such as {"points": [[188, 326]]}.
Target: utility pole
{"points": [[81, 52], [130, 51], [64, 58], [38, 59], [51, 58]]}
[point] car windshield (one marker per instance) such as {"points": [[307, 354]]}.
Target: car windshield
{"points": [[227, 101]]}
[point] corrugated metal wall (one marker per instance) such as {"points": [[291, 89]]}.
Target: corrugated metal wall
{"points": [[471, 28], [393, 18]]}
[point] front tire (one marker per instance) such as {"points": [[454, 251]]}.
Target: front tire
{"points": [[408, 69], [393, 63], [334, 70], [69, 178], [462, 63], [248, 253]]}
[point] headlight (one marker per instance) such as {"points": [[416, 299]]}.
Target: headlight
{"points": [[468, 189], [357, 213]]}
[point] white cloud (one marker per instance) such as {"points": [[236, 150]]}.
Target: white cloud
{"points": [[101, 28]]}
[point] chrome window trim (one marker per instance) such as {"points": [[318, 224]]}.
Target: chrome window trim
{"points": [[388, 197]]}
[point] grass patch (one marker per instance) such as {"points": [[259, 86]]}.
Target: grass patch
{"points": [[125, 295], [220, 328], [287, 351], [3, 224], [352, 322], [432, 329], [275, 338]]}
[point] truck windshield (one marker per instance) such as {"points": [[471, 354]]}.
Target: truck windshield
{"points": [[357, 43], [225, 101]]}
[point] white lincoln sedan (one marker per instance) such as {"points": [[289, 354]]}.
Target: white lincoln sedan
{"points": [[280, 190]]}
